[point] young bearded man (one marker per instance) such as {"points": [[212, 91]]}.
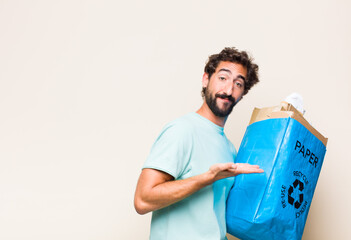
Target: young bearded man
{"points": [[187, 176]]}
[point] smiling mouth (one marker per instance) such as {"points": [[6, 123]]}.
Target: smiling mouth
{"points": [[225, 98], [226, 101]]}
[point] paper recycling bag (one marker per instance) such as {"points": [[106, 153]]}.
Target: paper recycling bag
{"points": [[275, 204]]}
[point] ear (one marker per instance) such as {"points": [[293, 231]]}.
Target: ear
{"points": [[205, 80]]}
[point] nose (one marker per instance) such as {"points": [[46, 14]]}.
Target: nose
{"points": [[229, 87]]}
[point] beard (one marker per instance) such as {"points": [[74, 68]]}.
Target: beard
{"points": [[212, 103]]}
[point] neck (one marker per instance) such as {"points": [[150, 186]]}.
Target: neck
{"points": [[206, 112]]}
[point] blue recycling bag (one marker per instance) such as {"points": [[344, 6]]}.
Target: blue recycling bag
{"points": [[275, 204]]}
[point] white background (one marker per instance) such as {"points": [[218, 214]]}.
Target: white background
{"points": [[86, 86]]}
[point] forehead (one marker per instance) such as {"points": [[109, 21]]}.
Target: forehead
{"points": [[234, 68]]}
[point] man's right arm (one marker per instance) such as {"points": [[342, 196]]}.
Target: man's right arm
{"points": [[157, 189]]}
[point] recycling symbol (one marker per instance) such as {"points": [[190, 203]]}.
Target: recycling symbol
{"points": [[296, 202]]}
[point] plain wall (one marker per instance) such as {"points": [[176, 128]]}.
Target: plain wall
{"points": [[86, 86]]}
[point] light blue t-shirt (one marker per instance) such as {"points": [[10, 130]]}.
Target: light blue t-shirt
{"points": [[186, 147]]}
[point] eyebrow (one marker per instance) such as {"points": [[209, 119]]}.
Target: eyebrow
{"points": [[227, 70]]}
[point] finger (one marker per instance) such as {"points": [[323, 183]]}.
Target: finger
{"points": [[233, 166], [256, 170], [235, 172], [226, 166], [248, 165], [255, 166], [219, 167], [250, 169]]}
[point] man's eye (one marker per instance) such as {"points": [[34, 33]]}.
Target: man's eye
{"points": [[222, 78], [238, 84]]}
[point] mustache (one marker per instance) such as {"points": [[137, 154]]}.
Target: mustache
{"points": [[225, 96]]}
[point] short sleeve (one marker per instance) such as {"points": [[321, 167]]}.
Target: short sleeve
{"points": [[172, 150]]}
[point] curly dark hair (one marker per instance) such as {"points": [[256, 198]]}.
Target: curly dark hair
{"points": [[234, 55]]}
